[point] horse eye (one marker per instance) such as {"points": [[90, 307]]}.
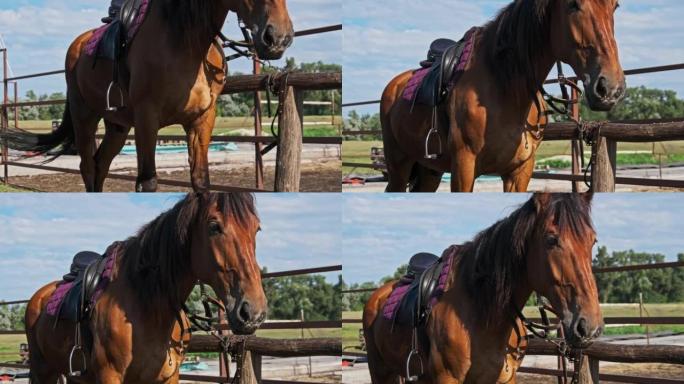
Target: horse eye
{"points": [[215, 228], [551, 241], [574, 6]]}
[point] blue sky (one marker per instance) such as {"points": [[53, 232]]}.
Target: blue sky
{"points": [[385, 37], [40, 233], [38, 32], [380, 232]]}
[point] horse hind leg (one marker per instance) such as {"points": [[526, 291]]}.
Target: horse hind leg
{"points": [[114, 139]]}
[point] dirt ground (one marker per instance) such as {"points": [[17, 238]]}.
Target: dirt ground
{"points": [[664, 371], [316, 177]]}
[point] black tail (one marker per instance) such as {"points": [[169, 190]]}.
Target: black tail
{"points": [[38, 144]]}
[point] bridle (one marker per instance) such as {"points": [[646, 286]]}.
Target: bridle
{"points": [[542, 331], [587, 132]]}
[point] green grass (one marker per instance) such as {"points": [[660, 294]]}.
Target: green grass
{"points": [[641, 154], [9, 188], [350, 332], [9, 347]]}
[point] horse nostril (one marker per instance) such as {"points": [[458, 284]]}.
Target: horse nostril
{"points": [[269, 38], [243, 312], [601, 87], [287, 41], [582, 329]]}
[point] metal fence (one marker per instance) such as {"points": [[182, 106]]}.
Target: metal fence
{"points": [[274, 347], [603, 174], [601, 351], [249, 83]]}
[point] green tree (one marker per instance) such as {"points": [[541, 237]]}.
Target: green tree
{"points": [[640, 103]]}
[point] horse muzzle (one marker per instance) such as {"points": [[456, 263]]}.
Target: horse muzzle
{"points": [[271, 42], [603, 92], [245, 318], [581, 334]]}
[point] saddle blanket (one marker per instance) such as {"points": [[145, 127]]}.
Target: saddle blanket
{"points": [[400, 290], [419, 75], [94, 41], [63, 288]]}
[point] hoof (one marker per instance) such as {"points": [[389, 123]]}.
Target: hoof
{"points": [[149, 185]]}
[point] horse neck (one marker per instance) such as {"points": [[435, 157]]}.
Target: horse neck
{"points": [[205, 37]]}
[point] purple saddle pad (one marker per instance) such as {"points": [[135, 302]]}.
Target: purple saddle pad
{"points": [[416, 80], [389, 310], [94, 41], [55, 301]]}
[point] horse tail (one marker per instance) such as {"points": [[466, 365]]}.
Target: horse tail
{"points": [[38, 144]]}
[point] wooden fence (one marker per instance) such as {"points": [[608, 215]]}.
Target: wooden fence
{"points": [[604, 175], [290, 122], [255, 347], [602, 351]]}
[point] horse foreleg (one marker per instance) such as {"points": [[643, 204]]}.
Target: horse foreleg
{"points": [[199, 137], [146, 131], [426, 179], [114, 139], [463, 171], [519, 179]]}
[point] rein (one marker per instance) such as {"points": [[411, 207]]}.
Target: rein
{"points": [[543, 330], [206, 323], [587, 132]]}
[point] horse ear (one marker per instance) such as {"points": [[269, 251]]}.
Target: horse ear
{"points": [[541, 200]]}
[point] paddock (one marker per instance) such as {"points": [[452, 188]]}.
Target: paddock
{"points": [[287, 145], [256, 347], [627, 352], [604, 175]]}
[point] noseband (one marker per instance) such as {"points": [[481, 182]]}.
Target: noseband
{"points": [[543, 330]]}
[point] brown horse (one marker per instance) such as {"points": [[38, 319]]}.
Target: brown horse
{"points": [[544, 246], [135, 324], [487, 120], [173, 74]]}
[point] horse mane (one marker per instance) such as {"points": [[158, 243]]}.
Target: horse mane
{"points": [[514, 40], [191, 21], [157, 256], [494, 261]]}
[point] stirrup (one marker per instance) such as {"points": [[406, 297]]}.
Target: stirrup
{"points": [[414, 354], [111, 108], [428, 155], [73, 373]]}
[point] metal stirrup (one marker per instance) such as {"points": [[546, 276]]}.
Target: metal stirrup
{"points": [[414, 354], [77, 347], [109, 90], [433, 131]]}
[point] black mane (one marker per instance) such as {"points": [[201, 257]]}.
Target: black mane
{"points": [[190, 21], [493, 263], [159, 254], [514, 41]]}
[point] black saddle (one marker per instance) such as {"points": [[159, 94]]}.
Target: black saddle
{"points": [[423, 276], [85, 272], [443, 57], [114, 41]]}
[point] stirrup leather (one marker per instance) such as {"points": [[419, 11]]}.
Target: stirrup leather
{"points": [[121, 105], [414, 354]]}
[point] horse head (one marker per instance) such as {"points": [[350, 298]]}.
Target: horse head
{"points": [[270, 24], [559, 264], [583, 35], [223, 249]]}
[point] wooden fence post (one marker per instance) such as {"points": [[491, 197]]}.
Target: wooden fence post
{"points": [[5, 115], [256, 365], [290, 125], [247, 374], [603, 172], [589, 374]]}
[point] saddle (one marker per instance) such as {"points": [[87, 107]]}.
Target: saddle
{"points": [[430, 84], [112, 40], [423, 277], [85, 273]]}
